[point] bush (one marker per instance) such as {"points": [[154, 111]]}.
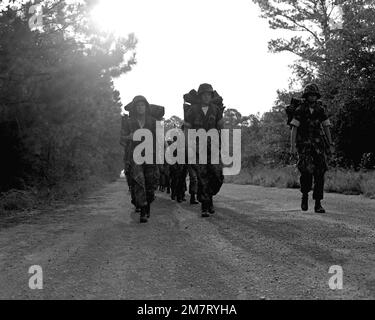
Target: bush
{"points": [[368, 186], [346, 182], [282, 177]]}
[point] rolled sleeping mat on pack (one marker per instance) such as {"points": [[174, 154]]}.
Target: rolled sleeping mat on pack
{"points": [[217, 100], [192, 98], [156, 111], [128, 107], [186, 110]]}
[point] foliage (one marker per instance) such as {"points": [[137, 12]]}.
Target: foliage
{"points": [[334, 42], [338, 181], [59, 111]]}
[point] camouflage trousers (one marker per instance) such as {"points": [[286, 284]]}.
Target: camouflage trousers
{"points": [[312, 165], [193, 177], [164, 176], [144, 183], [127, 166], [128, 176], [178, 179], [129, 181], [210, 179]]}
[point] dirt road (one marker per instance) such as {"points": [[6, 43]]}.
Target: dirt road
{"points": [[258, 245]]}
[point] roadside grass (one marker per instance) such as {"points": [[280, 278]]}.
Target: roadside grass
{"points": [[337, 180], [31, 198], [15, 200]]}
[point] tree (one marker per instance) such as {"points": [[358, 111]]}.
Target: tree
{"points": [[57, 100], [336, 52], [173, 122]]}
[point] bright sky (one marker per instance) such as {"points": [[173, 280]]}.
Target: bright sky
{"points": [[183, 43]]}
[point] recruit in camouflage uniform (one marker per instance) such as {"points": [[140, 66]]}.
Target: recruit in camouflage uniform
{"points": [[144, 178], [164, 175], [311, 138], [126, 143], [193, 175], [193, 183], [164, 183], [177, 172], [206, 115]]}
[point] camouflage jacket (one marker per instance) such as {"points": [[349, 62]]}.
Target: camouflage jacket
{"points": [[310, 122], [131, 127], [196, 119]]}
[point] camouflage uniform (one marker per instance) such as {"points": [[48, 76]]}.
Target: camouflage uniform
{"points": [[311, 145], [145, 177], [127, 155], [178, 180], [164, 183], [177, 171], [210, 176], [193, 180], [167, 178]]}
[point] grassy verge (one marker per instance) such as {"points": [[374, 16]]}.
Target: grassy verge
{"points": [[32, 198], [337, 180]]}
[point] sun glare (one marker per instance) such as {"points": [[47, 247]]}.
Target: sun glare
{"points": [[115, 16]]}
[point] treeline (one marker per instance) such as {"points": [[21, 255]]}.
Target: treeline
{"points": [[335, 45], [59, 111]]}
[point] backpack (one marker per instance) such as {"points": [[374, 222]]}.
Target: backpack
{"points": [[291, 109], [192, 98], [156, 111], [294, 104]]}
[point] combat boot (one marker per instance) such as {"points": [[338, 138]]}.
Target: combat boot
{"points": [[193, 200], [305, 202], [179, 199], [143, 217], [205, 213], [211, 209], [173, 196], [318, 207], [168, 190]]}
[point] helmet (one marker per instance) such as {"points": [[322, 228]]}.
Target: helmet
{"points": [[311, 89], [205, 87]]}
